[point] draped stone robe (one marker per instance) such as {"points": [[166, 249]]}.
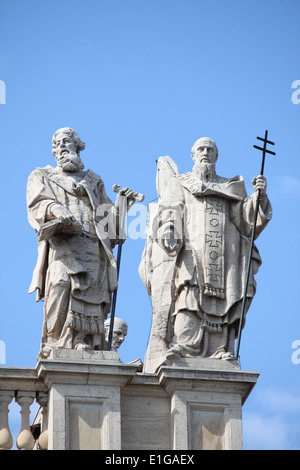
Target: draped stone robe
{"points": [[206, 278], [75, 271]]}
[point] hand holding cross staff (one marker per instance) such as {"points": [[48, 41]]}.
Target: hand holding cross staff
{"points": [[260, 187], [260, 184]]}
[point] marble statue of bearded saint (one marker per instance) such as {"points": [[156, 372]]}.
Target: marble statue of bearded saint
{"points": [[77, 227], [195, 259]]}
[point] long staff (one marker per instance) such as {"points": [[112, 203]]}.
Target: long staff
{"points": [[123, 209], [264, 151]]}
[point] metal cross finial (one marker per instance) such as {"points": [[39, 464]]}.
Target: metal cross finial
{"points": [[264, 151]]}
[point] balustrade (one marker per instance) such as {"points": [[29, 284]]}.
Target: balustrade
{"points": [[23, 386]]}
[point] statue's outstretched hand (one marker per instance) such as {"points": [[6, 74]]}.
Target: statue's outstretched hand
{"points": [[131, 197], [260, 184]]}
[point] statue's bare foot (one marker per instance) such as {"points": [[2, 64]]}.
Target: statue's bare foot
{"points": [[173, 353], [83, 347], [222, 354]]}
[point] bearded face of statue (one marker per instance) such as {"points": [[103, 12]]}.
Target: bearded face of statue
{"points": [[66, 153], [205, 154]]}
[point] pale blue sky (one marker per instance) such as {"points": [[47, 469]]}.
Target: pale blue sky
{"points": [[141, 79]]}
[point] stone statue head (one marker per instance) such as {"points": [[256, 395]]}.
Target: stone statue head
{"points": [[199, 147], [119, 332], [66, 148], [205, 154]]}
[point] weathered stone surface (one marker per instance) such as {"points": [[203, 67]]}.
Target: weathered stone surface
{"points": [[94, 401], [84, 398], [195, 260], [109, 405], [77, 226]]}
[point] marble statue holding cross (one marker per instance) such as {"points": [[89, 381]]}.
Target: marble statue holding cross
{"points": [[195, 259]]}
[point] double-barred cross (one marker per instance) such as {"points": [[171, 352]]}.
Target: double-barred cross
{"points": [[264, 150]]}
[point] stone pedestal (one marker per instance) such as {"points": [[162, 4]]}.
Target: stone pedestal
{"points": [[84, 399], [206, 403], [97, 402]]}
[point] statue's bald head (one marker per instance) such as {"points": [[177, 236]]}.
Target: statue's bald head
{"points": [[201, 144], [119, 332]]}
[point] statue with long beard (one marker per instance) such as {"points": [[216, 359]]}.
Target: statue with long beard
{"points": [[77, 227], [195, 259]]}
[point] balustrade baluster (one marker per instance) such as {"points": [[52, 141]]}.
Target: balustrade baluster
{"points": [[42, 399], [6, 440], [25, 440]]}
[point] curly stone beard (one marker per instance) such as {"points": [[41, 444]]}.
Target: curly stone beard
{"points": [[205, 171], [69, 161]]}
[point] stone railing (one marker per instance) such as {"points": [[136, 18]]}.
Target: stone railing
{"points": [[23, 385]]}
